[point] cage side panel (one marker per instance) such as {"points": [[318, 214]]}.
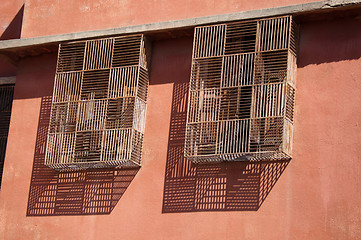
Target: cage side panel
{"points": [[291, 69], [120, 113], [266, 134], [60, 149], [274, 33], [236, 103], [98, 54], [294, 36], [241, 37], [137, 147], [95, 84], [271, 67], [145, 53], [268, 100], [67, 86], [201, 139], [126, 51], [63, 117], [91, 115], [209, 41], [88, 146], [290, 102], [204, 106], [139, 115], [71, 57], [116, 145], [238, 70], [233, 137], [143, 82], [287, 142], [123, 82], [206, 73]]}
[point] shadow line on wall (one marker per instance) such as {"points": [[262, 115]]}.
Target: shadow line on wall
{"points": [[13, 30]]}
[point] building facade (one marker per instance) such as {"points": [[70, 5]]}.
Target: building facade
{"points": [[313, 195]]}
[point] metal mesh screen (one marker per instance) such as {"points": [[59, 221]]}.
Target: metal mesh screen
{"points": [[99, 100], [6, 100], [242, 91]]}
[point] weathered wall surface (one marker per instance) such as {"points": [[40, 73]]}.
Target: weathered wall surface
{"points": [[9, 11], [47, 17], [316, 197], [10, 28], [325, 171]]}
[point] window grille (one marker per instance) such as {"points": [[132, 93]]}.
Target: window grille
{"points": [[99, 101], [6, 100], [242, 91]]}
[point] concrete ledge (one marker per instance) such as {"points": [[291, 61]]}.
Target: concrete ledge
{"points": [[10, 45], [7, 80]]}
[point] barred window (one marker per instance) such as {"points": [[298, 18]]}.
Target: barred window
{"points": [[6, 101], [242, 91], [99, 100]]}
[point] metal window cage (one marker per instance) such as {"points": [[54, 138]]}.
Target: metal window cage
{"points": [[242, 91], [99, 100]]}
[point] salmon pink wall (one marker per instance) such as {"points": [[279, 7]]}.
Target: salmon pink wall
{"points": [[48, 17], [316, 197], [10, 28], [9, 9]]}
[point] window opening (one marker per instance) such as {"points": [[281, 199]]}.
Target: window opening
{"points": [[6, 100]]}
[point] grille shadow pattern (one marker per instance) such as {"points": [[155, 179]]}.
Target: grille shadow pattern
{"points": [[242, 91], [99, 100], [82, 192], [220, 186]]}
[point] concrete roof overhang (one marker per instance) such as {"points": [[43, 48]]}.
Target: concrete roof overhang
{"points": [[13, 50]]}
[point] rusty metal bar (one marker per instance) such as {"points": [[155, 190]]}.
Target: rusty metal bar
{"points": [[242, 91], [98, 110]]}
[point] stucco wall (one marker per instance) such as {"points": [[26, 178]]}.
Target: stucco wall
{"points": [[316, 197], [48, 17], [9, 9], [10, 28]]}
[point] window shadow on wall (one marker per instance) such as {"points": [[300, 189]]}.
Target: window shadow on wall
{"points": [[227, 186], [13, 30], [87, 192], [319, 43]]}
